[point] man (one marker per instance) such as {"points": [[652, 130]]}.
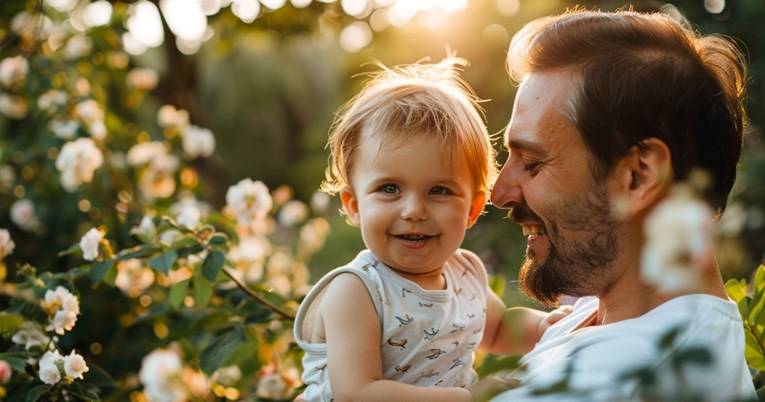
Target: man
{"points": [[613, 109]]}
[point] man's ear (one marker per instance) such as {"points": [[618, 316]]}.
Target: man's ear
{"points": [[350, 206], [645, 174], [476, 207]]}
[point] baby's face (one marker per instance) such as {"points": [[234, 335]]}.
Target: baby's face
{"points": [[413, 202]]}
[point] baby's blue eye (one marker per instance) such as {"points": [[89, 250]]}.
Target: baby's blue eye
{"points": [[389, 188], [439, 191]]}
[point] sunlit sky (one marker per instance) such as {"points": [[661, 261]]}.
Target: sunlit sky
{"points": [[187, 19]]}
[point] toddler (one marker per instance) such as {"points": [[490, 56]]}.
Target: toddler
{"points": [[412, 162]]}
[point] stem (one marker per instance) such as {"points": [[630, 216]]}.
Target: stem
{"points": [[258, 297]]}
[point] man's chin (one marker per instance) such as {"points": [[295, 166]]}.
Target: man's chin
{"points": [[538, 283]]}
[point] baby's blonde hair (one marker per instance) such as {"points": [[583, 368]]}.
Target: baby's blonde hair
{"points": [[400, 102]]}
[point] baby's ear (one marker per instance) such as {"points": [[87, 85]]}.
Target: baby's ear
{"points": [[476, 207], [350, 206]]}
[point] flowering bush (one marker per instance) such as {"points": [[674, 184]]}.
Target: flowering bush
{"points": [[117, 281]]}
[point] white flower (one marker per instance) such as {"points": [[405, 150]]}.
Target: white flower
{"points": [[169, 116], [227, 376], [63, 321], [89, 110], [161, 376], [78, 46], [63, 307], [143, 153], [74, 365], [65, 129], [6, 244], [30, 336], [678, 244], [133, 277], [5, 371], [157, 180], [313, 234], [249, 201], [24, 216], [143, 78], [198, 141], [249, 257], [30, 26], [271, 386], [196, 382], [320, 201], [97, 129], [89, 243], [277, 385], [52, 99], [293, 213], [13, 71], [49, 372], [13, 106], [188, 212], [146, 228], [7, 177], [78, 162]]}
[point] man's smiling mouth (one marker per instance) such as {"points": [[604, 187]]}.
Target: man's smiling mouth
{"points": [[533, 230]]}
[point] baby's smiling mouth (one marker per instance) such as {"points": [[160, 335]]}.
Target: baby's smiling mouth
{"points": [[414, 237]]}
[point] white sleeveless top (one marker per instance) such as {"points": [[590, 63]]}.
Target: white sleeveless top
{"points": [[428, 336]]}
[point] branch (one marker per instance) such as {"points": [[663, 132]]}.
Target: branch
{"points": [[258, 297]]}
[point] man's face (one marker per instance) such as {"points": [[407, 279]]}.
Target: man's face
{"points": [[547, 184]]}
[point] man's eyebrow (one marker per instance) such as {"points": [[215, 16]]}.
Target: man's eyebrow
{"points": [[520, 144]]}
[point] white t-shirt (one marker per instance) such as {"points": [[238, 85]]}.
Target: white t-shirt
{"points": [[428, 336], [595, 359]]}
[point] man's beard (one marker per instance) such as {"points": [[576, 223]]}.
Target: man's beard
{"points": [[580, 263]]}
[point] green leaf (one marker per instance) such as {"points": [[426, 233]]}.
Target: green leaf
{"points": [[71, 250], [99, 269], [111, 277], [16, 360], [10, 323], [759, 279], [217, 238], [178, 292], [756, 306], [220, 351], [753, 352], [737, 292], [213, 264], [164, 262], [184, 242], [35, 394], [202, 290]]}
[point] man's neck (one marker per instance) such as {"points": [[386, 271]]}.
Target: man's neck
{"points": [[629, 297]]}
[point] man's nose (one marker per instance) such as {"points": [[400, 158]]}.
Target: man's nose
{"points": [[413, 208], [507, 189]]}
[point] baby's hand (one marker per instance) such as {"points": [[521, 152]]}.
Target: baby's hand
{"points": [[554, 316], [489, 387]]}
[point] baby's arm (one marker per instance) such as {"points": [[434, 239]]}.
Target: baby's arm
{"points": [[353, 350], [515, 330]]}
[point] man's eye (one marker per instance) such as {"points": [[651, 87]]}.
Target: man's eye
{"points": [[532, 168], [389, 189]]}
